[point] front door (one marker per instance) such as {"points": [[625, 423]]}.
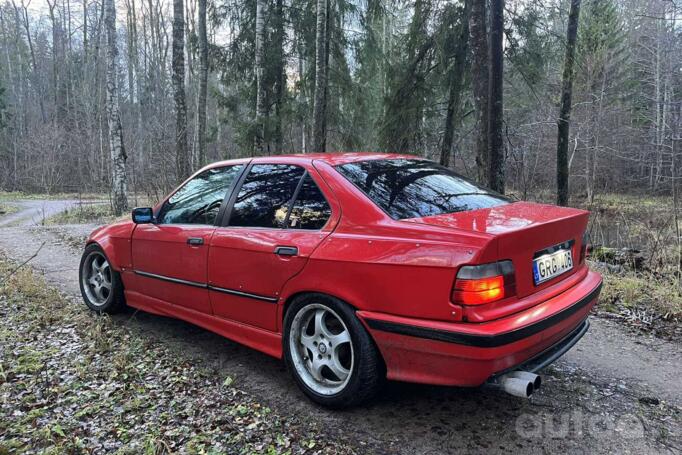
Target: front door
{"points": [[278, 217], [170, 256]]}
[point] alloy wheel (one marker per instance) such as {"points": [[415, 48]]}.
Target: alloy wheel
{"points": [[96, 276], [321, 349]]}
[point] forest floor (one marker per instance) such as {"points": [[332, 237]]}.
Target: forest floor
{"points": [[141, 382], [72, 381]]}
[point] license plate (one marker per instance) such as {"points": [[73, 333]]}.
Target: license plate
{"points": [[551, 265]]}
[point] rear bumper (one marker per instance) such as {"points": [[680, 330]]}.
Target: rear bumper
{"points": [[466, 354]]}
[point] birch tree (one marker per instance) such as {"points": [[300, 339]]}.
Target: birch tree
{"points": [[182, 161], [116, 147], [320, 96]]}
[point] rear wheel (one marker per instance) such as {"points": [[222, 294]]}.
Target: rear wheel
{"points": [[100, 284], [330, 354]]}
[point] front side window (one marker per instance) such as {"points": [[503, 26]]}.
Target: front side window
{"points": [[406, 188], [310, 210], [265, 196], [199, 200]]}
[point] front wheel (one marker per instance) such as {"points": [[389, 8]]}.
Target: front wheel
{"points": [[100, 284], [329, 352]]}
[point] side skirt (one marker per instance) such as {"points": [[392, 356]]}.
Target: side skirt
{"points": [[262, 340]]}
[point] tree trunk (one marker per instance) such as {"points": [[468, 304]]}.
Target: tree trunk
{"points": [[302, 95], [562, 167], [320, 97], [479, 75], [496, 100], [116, 147], [55, 57], [280, 79], [203, 83], [34, 66], [130, 38], [85, 33], [259, 69], [182, 162], [455, 89]]}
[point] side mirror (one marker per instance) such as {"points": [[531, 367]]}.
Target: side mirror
{"points": [[143, 215]]}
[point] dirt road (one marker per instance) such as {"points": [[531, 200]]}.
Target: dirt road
{"points": [[615, 391]]}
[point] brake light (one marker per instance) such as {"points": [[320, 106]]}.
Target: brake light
{"points": [[480, 284]]}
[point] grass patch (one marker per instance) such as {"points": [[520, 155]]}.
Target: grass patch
{"points": [[72, 381], [7, 209], [642, 292], [19, 195], [84, 213]]}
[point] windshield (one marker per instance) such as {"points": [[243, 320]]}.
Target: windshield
{"points": [[406, 188]]}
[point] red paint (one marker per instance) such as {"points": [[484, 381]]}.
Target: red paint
{"points": [[389, 270], [163, 250], [435, 362]]}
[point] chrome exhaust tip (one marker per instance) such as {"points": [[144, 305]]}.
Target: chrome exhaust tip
{"points": [[532, 377], [519, 383], [517, 387]]}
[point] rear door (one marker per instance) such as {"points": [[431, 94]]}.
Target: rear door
{"points": [[170, 255], [277, 218]]}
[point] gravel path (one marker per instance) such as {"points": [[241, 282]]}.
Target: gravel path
{"points": [[615, 391]]}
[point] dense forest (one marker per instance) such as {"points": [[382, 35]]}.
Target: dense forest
{"points": [[131, 96]]}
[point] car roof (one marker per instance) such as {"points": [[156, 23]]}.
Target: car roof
{"points": [[333, 159]]}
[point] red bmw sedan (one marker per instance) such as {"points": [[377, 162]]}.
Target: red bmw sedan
{"points": [[355, 268]]}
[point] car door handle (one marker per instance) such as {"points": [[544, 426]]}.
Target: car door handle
{"points": [[195, 241], [286, 250]]}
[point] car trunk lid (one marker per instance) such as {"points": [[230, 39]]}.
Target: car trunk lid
{"points": [[518, 231]]}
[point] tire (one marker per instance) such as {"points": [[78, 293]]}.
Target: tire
{"points": [[336, 364], [101, 286]]}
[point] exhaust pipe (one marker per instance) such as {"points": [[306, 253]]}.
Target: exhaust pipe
{"points": [[532, 377], [520, 383]]}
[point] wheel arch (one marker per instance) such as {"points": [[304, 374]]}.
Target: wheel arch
{"points": [[289, 299], [115, 241]]}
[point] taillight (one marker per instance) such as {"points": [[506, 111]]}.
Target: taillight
{"points": [[480, 284]]}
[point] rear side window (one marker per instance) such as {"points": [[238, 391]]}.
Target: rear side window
{"points": [[310, 210], [265, 196], [199, 200], [406, 188]]}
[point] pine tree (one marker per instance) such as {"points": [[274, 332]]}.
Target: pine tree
{"points": [[455, 48]]}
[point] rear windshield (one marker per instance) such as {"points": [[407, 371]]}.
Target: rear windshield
{"points": [[406, 188]]}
